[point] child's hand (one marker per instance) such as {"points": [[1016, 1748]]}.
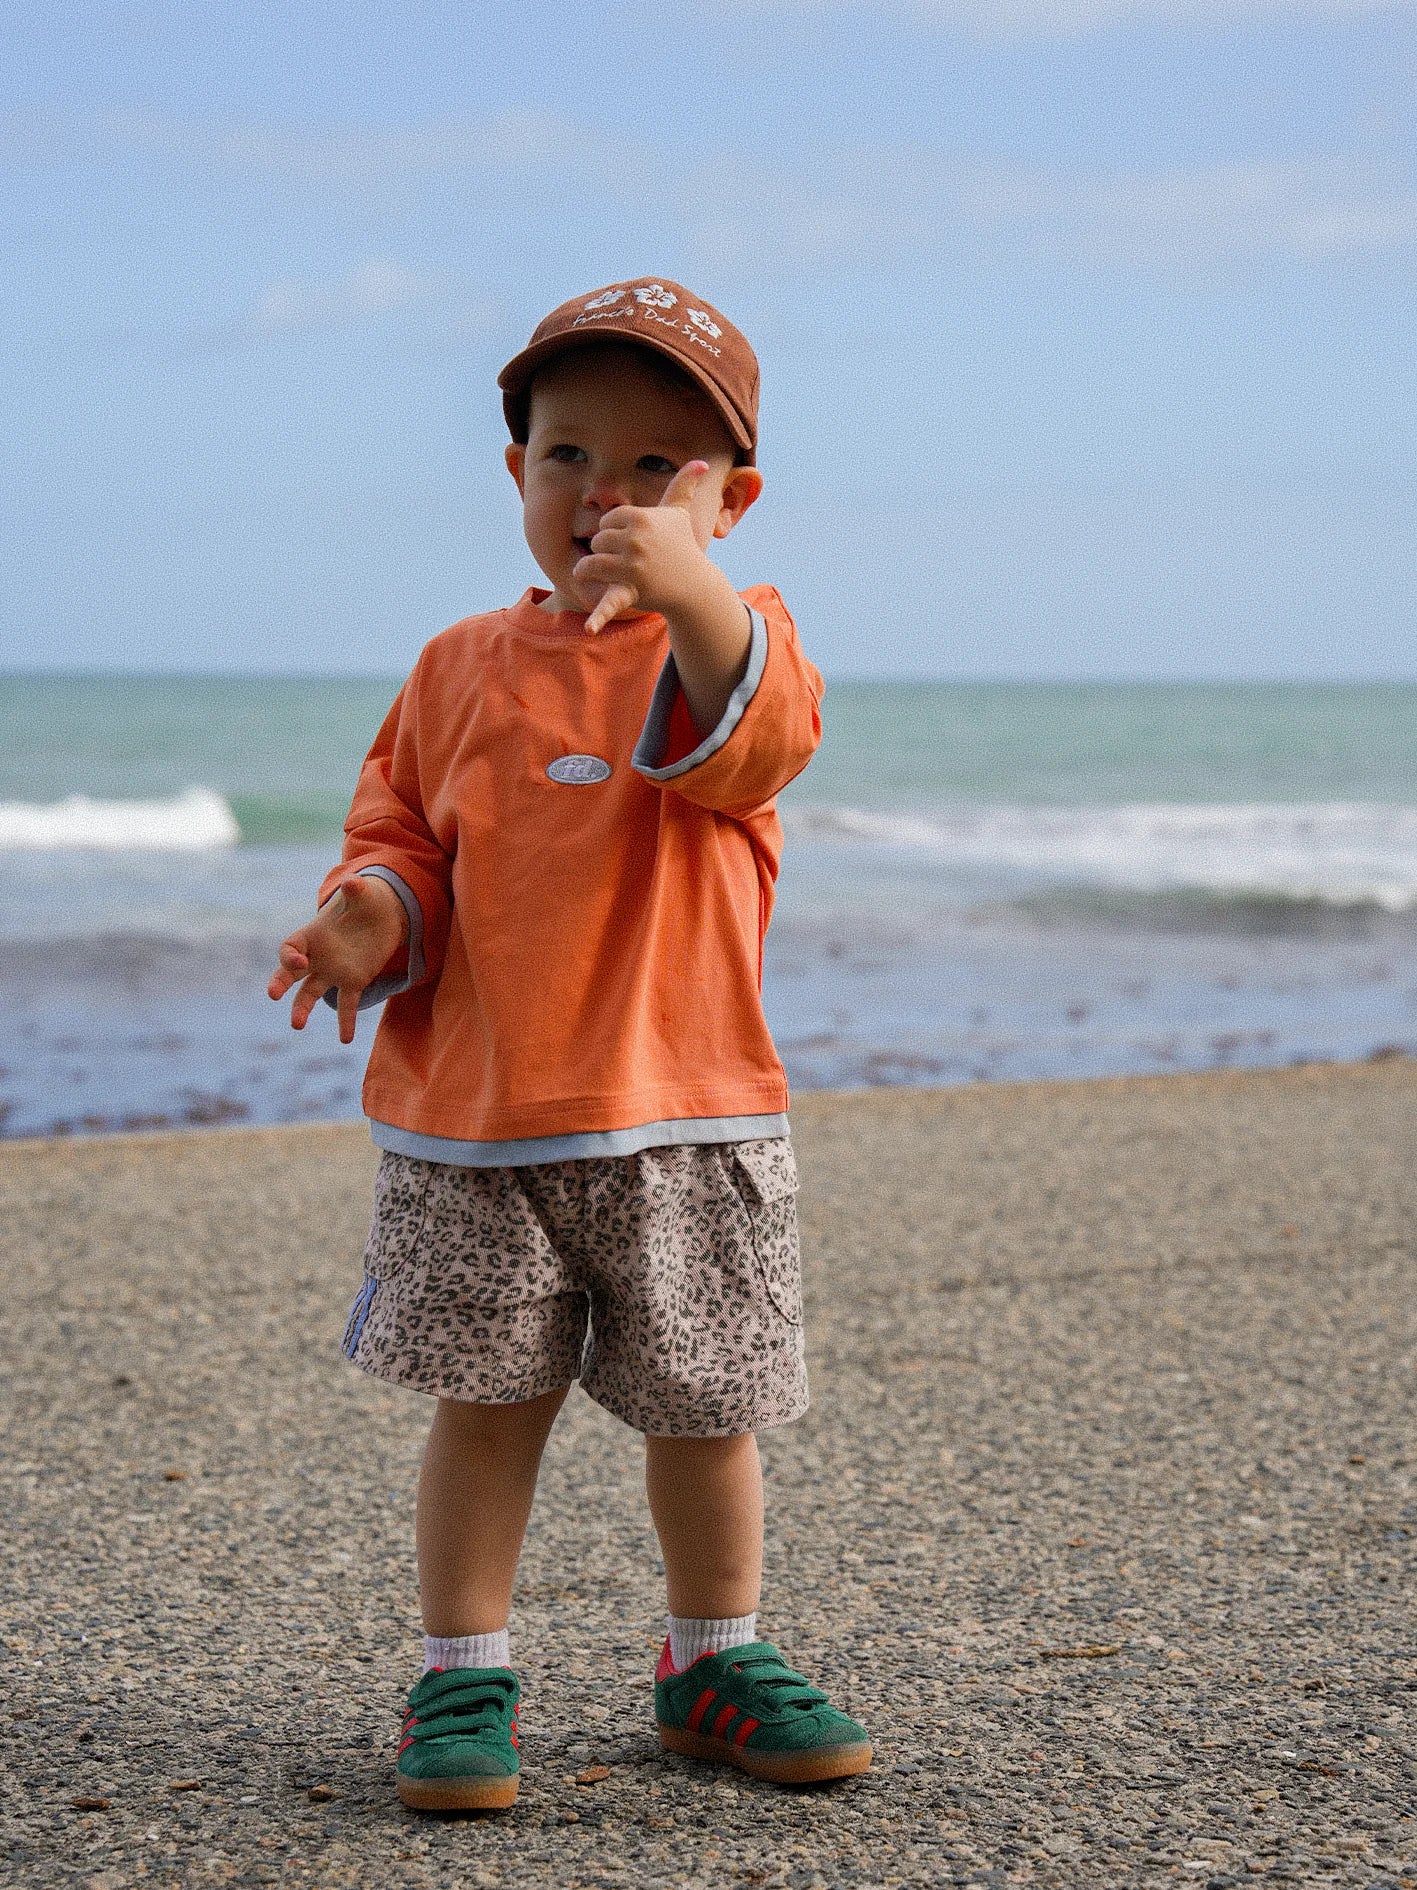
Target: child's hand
{"points": [[647, 555], [347, 943]]}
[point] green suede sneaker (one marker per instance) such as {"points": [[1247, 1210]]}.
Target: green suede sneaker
{"points": [[746, 1707], [458, 1749]]}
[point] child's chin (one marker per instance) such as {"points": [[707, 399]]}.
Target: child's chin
{"points": [[564, 594]]}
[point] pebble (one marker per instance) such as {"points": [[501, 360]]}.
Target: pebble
{"points": [[1060, 1347]]}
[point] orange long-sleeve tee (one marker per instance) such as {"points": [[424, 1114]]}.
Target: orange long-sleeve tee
{"points": [[587, 901]]}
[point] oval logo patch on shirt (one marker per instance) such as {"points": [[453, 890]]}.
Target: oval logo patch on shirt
{"points": [[578, 770]]}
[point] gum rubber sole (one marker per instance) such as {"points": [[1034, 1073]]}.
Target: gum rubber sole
{"points": [[459, 1794], [815, 1766]]}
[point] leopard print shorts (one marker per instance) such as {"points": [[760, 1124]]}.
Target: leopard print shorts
{"points": [[669, 1282]]}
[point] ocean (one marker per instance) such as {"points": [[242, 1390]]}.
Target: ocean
{"points": [[983, 882]]}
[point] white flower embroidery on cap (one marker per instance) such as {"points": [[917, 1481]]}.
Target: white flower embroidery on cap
{"points": [[702, 319], [605, 298], [656, 296]]}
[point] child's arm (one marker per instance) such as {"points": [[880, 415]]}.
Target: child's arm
{"points": [[384, 912], [768, 732], [649, 556], [345, 947]]}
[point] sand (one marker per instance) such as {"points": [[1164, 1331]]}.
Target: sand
{"points": [[1103, 1517]]}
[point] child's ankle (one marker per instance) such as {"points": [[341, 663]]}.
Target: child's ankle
{"points": [[692, 1636], [466, 1650]]}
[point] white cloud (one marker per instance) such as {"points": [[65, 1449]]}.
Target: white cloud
{"points": [[373, 288], [880, 205], [356, 154], [294, 306], [1201, 217], [875, 204], [312, 154], [1070, 19]]}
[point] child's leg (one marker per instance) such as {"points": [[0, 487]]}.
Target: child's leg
{"points": [[474, 1497], [706, 1497], [458, 1750], [720, 1693]]}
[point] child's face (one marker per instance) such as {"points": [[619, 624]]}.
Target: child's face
{"points": [[606, 430]]}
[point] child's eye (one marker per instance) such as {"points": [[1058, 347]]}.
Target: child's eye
{"points": [[656, 463], [566, 455]]}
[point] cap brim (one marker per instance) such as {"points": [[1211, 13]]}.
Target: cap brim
{"points": [[517, 373]]}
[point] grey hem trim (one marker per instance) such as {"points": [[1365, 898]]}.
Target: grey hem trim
{"points": [[530, 1151], [655, 733], [392, 984]]}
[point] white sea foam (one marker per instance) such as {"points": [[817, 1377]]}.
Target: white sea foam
{"points": [[194, 821], [1340, 853]]}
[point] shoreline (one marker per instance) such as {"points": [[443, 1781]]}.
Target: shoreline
{"points": [[927, 1094]]}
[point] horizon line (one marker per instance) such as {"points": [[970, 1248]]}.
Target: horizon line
{"points": [[914, 677]]}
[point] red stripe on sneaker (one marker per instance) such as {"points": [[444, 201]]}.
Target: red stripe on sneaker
{"points": [[720, 1725], [407, 1743], [701, 1706], [749, 1726]]}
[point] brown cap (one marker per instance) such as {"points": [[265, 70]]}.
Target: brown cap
{"points": [[651, 314]]}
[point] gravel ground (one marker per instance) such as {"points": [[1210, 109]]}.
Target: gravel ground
{"points": [[1103, 1517]]}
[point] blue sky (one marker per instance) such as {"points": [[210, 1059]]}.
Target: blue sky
{"points": [[1087, 326]]}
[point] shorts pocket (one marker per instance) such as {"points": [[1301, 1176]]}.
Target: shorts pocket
{"points": [[400, 1209], [765, 1176]]}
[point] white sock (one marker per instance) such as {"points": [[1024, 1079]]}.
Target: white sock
{"points": [[466, 1650], [689, 1638]]}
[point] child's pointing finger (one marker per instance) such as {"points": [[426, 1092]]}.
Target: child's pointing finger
{"points": [[616, 598], [614, 538]]}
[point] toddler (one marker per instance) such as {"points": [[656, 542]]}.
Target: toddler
{"points": [[558, 871]]}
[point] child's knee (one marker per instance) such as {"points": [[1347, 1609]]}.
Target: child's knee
{"points": [[500, 1424], [706, 1450]]}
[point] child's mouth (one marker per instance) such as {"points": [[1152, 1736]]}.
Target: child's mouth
{"points": [[582, 545]]}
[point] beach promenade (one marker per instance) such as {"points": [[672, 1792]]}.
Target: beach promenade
{"points": [[1103, 1518]]}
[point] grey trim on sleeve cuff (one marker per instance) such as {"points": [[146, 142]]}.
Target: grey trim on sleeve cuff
{"points": [[394, 982], [530, 1151], [655, 733]]}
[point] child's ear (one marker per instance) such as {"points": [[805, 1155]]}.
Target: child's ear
{"points": [[740, 489], [515, 457]]}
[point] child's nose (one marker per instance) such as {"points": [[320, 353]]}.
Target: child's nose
{"points": [[605, 492]]}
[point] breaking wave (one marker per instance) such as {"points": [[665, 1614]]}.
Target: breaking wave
{"points": [[1336, 854], [191, 822]]}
